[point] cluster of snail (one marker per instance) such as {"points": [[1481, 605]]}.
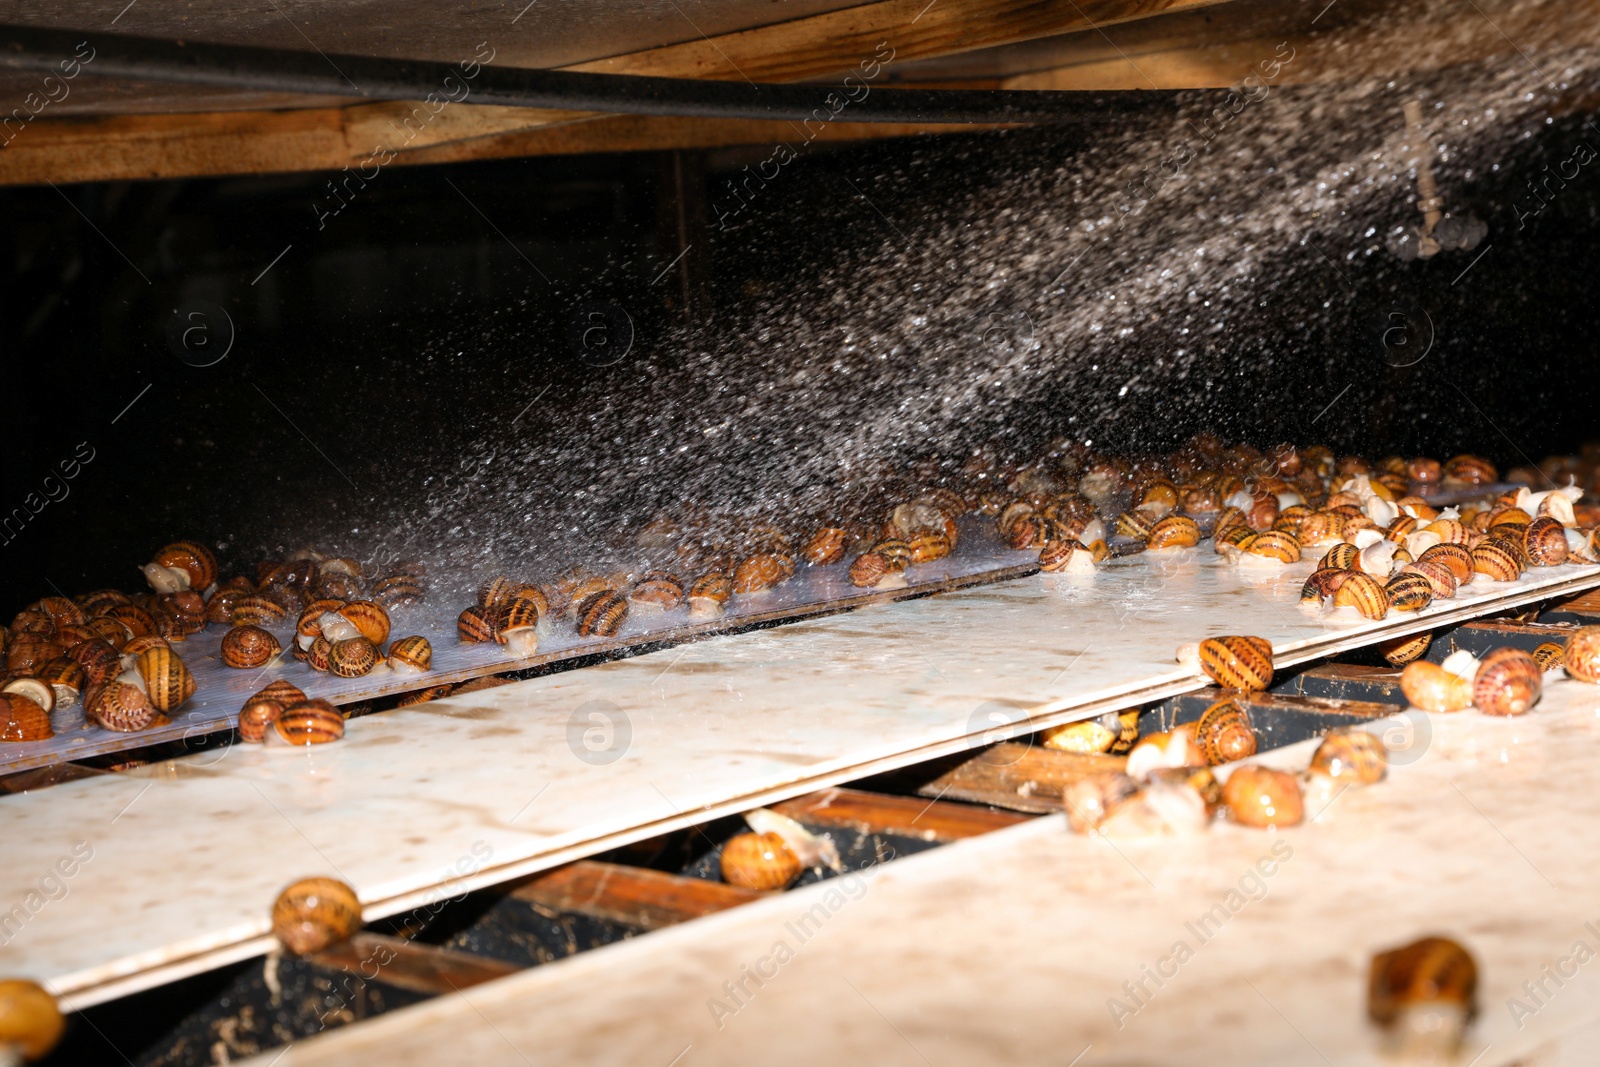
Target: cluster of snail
{"points": [[114, 651], [1507, 681]]}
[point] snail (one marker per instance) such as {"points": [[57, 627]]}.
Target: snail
{"points": [[1508, 682], [137, 621], [35, 689], [759, 861], [352, 657], [602, 615], [495, 592], [1364, 593], [757, 573], [473, 625], [167, 681], [317, 656], [927, 546], [124, 708], [1069, 556], [244, 647], [314, 913], [1342, 556], [1432, 688], [310, 722], [1548, 656], [31, 1024], [1351, 755], [1092, 799], [1495, 562], [825, 547], [357, 618], [1261, 797], [896, 553], [871, 570], [411, 655], [62, 611], [1424, 470], [67, 678], [1223, 733], [256, 717], [1423, 994], [708, 596], [1089, 736], [1237, 662], [22, 719], [1272, 546], [1174, 531], [1322, 584], [1409, 591], [257, 610], [1398, 651], [98, 659], [181, 565], [657, 591], [1441, 579], [1456, 557], [397, 590], [1470, 470], [1582, 656]]}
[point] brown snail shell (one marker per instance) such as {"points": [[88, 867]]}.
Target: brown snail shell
{"points": [[256, 718], [1399, 651], [825, 547], [1494, 561], [757, 573], [522, 610], [1026, 532], [1508, 682], [411, 655], [67, 678], [1094, 798], [1544, 540], [294, 574], [1582, 656], [93, 604], [312, 722], [1010, 515], [1429, 989], [1319, 527], [22, 719], [1343, 556], [1237, 662], [603, 614], [1262, 797], [369, 619], [1132, 524], [1548, 656], [709, 593], [314, 913], [897, 553], [928, 545], [167, 681], [29, 652], [496, 592], [137, 621], [31, 1023], [1323, 583], [110, 631], [658, 590], [1364, 593], [1086, 737], [1174, 531], [1224, 734], [35, 689], [1432, 688], [1352, 755], [1470, 470], [353, 657], [868, 569], [423, 696], [1441, 578], [124, 708], [1457, 557], [98, 659], [257, 610], [1409, 591], [1450, 531], [181, 565], [759, 861], [397, 590], [62, 612], [337, 586], [1274, 545], [474, 625], [317, 656], [244, 647]]}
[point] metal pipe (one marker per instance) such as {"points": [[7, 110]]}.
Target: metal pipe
{"points": [[373, 78]]}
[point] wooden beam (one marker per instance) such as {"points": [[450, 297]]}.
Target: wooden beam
{"points": [[1019, 776], [632, 896], [406, 964], [876, 813]]}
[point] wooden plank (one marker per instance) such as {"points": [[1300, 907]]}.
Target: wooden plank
{"points": [[1481, 638], [407, 965], [876, 813], [1019, 776], [1278, 719], [1584, 610], [1348, 681], [633, 896]]}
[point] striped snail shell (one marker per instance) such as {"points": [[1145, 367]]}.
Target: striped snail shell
{"points": [[1174, 531], [110, 631], [256, 718], [411, 655], [1010, 515], [1508, 515], [137, 621], [474, 625], [283, 691], [369, 620], [257, 610], [1026, 532], [1323, 583], [1548, 656], [1084, 738], [1398, 651], [1409, 591], [98, 659], [1262, 797], [897, 553], [22, 719], [1424, 470], [95, 603], [1162, 495], [33, 621], [124, 708], [757, 573], [317, 656], [1457, 557], [1364, 593], [219, 609], [353, 657], [709, 593], [1237, 662], [294, 574], [29, 652], [1224, 734], [1402, 527], [312, 722], [62, 611], [1435, 977], [181, 565], [868, 569], [244, 647], [1471, 470], [1544, 541], [66, 679], [928, 545], [1432, 688], [1320, 527], [1508, 682], [1582, 655], [314, 913], [602, 615], [1351, 755], [1343, 556], [1273, 545], [1231, 538], [1133, 524], [496, 592], [658, 590], [1291, 520], [167, 681], [337, 586], [35, 689], [422, 696], [759, 861], [1450, 531], [1495, 562], [1440, 577], [518, 632], [825, 547], [397, 591], [1065, 555]]}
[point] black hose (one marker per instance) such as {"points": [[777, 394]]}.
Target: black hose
{"points": [[285, 70]]}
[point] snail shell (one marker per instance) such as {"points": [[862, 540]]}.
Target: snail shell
{"points": [[244, 647], [759, 861], [1323, 583], [897, 553], [1424, 993], [1508, 682], [423, 696], [1582, 656], [256, 717], [657, 590], [1274, 545], [868, 569], [369, 619], [1449, 531], [317, 655], [1262, 797], [1364, 593], [1495, 562], [825, 547], [523, 610], [98, 659], [397, 590], [35, 689], [1548, 656], [337, 586], [22, 719], [257, 610], [1409, 591], [473, 625], [66, 678], [1545, 542], [1237, 662], [1010, 515], [1092, 799], [62, 611], [95, 603], [352, 657], [1424, 470], [124, 708], [1343, 556], [411, 655], [1320, 527], [29, 652], [314, 913], [1133, 524], [1174, 531], [1399, 651], [1066, 556], [1087, 737], [110, 631], [709, 594], [927, 546], [1457, 557], [167, 681], [1441, 578], [1224, 733], [31, 1024], [1352, 755], [181, 565], [284, 692], [496, 592], [312, 722], [757, 573], [603, 614], [295, 574], [137, 621], [1470, 470], [1401, 528], [1432, 688], [1026, 532]]}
